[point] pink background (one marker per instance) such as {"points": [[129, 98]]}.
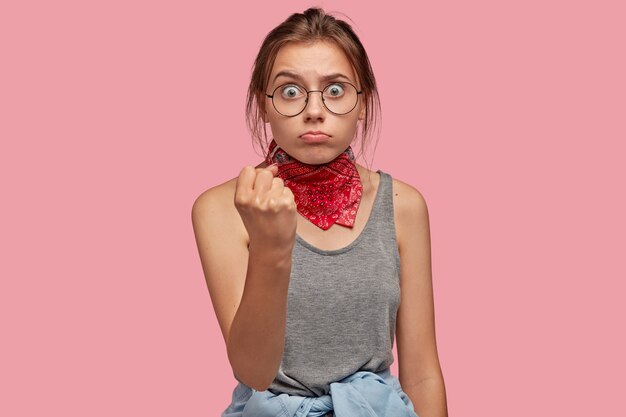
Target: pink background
{"points": [[509, 117]]}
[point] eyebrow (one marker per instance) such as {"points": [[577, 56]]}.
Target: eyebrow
{"points": [[299, 77]]}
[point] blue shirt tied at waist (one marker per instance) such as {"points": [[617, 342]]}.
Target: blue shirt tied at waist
{"points": [[362, 394]]}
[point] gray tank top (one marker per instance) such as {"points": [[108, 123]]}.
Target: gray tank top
{"points": [[342, 305]]}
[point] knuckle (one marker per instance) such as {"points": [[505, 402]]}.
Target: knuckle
{"points": [[273, 205], [285, 203], [263, 171], [243, 199], [240, 200]]}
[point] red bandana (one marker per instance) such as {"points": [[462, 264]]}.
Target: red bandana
{"points": [[325, 194]]}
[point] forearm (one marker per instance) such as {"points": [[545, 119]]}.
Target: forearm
{"points": [[428, 397], [257, 335]]}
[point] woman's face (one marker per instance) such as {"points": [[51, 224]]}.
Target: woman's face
{"points": [[309, 66]]}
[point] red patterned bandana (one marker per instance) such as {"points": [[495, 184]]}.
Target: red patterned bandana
{"points": [[325, 194]]}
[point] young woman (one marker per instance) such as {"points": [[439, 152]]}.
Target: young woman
{"points": [[314, 262]]}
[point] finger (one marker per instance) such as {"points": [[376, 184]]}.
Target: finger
{"points": [[273, 168], [263, 180], [277, 187], [245, 180], [287, 192]]}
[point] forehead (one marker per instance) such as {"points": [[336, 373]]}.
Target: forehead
{"points": [[312, 61]]}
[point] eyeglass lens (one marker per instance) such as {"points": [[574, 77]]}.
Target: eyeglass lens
{"points": [[291, 99]]}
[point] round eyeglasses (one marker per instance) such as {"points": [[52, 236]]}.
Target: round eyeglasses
{"points": [[291, 99]]}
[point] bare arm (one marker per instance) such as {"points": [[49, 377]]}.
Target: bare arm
{"points": [[420, 372], [247, 274], [257, 336]]}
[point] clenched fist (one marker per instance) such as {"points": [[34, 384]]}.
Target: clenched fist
{"points": [[267, 208]]}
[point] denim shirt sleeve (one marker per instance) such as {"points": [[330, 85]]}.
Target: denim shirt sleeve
{"points": [[363, 393]]}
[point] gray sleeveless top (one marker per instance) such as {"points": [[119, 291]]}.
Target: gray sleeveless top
{"points": [[342, 305]]}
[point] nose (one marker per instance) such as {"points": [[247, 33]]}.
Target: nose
{"points": [[315, 108]]}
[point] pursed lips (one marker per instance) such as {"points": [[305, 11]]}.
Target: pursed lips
{"points": [[314, 137]]}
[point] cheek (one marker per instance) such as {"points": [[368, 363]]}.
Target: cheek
{"points": [[280, 127], [354, 125]]}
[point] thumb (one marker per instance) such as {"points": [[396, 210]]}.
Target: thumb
{"points": [[273, 168]]}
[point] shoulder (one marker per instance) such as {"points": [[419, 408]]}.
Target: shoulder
{"points": [[220, 196], [215, 208], [410, 210], [408, 199], [214, 213]]}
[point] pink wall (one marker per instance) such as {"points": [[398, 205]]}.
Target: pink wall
{"points": [[510, 119]]}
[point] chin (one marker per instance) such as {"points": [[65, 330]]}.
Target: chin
{"points": [[321, 159], [315, 154], [312, 161]]}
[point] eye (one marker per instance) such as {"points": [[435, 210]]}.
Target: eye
{"points": [[335, 90], [291, 91]]}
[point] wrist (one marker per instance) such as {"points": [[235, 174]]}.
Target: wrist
{"points": [[271, 255]]}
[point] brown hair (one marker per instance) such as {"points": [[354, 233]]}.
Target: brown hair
{"points": [[310, 26]]}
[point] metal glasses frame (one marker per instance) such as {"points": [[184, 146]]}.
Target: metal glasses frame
{"points": [[306, 101]]}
